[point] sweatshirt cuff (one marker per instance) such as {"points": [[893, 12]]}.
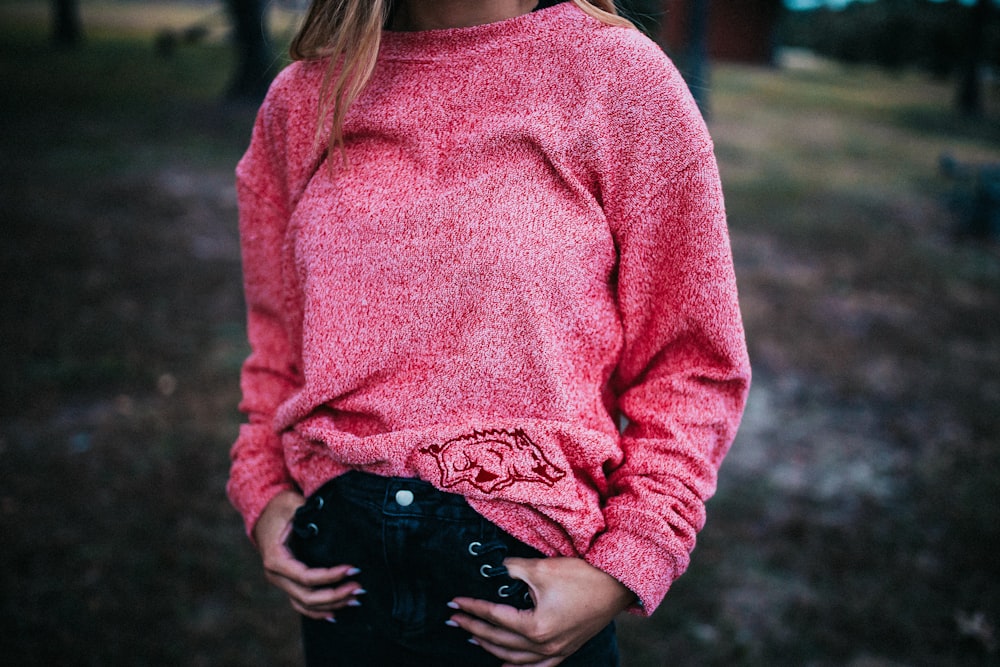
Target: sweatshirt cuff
{"points": [[638, 563], [251, 499]]}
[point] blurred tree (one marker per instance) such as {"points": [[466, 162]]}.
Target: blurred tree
{"points": [[67, 28], [685, 36], [253, 63], [696, 53], [970, 99], [697, 33], [943, 37]]}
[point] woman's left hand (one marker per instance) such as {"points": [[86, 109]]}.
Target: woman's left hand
{"points": [[573, 602]]}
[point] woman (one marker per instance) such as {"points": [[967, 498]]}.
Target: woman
{"points": [[479, 236]]}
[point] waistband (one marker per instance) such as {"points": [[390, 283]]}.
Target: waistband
{"points": [[396, 496]]}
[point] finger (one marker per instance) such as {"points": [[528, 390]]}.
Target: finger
{"points": [[498, 636], [519, 658], [508, 655], [316, 615], [322, 611], [523, 569], [319, 599], [499, 615], [311, 577]]}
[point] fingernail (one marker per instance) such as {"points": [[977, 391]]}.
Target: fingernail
{"points": [[451, 623], [330, 619], [454, 605], [474, 642], [353, 571], [360, 591], [354, 603]]}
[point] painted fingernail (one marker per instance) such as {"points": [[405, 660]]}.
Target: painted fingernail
{"points": [[451, 623], [454, 605], [353, 571], [354, 603], [360, 591], [330, 619], [474, 642]]}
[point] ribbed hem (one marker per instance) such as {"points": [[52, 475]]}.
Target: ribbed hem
{"points": [[638, 563]]}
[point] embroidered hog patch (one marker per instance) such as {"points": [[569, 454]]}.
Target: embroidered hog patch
{"points": [[492, 460]]}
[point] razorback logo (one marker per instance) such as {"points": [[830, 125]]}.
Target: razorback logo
{"points": [[492, 460]]}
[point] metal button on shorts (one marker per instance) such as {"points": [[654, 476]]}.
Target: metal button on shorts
{"points": [[404, 497]]}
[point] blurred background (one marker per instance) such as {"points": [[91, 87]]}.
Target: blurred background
{"points": [[858, 515]]}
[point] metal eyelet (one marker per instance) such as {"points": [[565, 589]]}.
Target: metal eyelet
{"points": [[487, 570], [474, 548], [527, 598], [312, 530], [504, 591], [319, 502]]}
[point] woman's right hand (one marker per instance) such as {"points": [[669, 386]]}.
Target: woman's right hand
{"points": [[313, 592]]}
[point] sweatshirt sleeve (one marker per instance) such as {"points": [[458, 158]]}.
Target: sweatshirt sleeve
{"points": [[271, 373], [683, 376]]}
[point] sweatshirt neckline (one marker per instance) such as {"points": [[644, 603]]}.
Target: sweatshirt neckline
{"points": [[450, 43]]}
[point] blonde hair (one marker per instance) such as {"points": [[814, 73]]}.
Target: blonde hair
{"points": [[349, 32]]}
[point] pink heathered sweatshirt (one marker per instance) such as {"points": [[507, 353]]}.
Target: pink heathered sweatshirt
{"points": [[527, 249]]}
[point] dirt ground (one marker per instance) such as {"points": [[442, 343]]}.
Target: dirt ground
{"points": [[857, 517]]}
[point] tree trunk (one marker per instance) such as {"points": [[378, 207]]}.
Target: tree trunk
{"points": [[253, 50], [969, 99], [696, 53], [67, 30]]}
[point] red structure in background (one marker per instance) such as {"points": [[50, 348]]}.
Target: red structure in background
{"points": [[738, 30]]}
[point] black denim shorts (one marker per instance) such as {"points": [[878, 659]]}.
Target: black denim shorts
{"points": [[417, 548]]}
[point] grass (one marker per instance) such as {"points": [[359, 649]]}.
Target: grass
{"points": [[857, 513]]}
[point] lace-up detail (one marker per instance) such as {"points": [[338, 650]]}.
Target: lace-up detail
{"points": [[493, 553]]}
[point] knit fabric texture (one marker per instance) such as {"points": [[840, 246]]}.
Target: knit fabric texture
{"points": [[525, 253]]}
